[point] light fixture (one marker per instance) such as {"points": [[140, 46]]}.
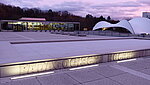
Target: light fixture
{"points": [[84, 67], [32, 75], [126, 60]]}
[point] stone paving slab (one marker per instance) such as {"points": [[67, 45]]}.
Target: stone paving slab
{"points": [[26, 81], [105, 81], [146, 71], [85, 75], [108, 71], [137, 65], [129, 79], [5, 84], [57, 79]]}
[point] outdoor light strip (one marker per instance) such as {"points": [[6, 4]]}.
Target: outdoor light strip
{"points": [[84, 67], [123, 51], [32, 75], [126, 60]]}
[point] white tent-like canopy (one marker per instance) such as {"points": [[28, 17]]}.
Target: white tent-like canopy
{"points": [[135, 25]]}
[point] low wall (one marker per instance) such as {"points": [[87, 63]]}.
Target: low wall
{"points": [[22, 68], [105, 33]]}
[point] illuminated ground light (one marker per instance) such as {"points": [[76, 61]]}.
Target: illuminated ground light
{"points": [[32, 75], [126, 60], [84, 67]]}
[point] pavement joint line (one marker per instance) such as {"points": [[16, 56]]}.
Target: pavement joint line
{"points": [[93, 80], [115, 81], [24, 37], [133, 72], [38, 81], [73, 78]]}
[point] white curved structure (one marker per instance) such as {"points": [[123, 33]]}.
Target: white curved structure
{"points": [[125, 24], [135, 25]]}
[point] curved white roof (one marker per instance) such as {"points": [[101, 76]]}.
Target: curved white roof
{"points": [[102, 24], [125, 24], [140, 25], [135, 25]]}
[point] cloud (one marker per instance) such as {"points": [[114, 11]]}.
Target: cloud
{"points": [[117, 8], [120, 4], [69, 6], [122, 9], [144, 2], [21, 3]]}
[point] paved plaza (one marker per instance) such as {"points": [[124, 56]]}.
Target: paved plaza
{"points": [[52, 50], [127, 73], [136, 72]]}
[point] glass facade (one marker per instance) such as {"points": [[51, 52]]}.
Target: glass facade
{"points": [[34, 25]]}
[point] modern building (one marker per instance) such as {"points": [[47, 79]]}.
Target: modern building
{"points": [[146, 14], [38, 24], [135, 25]]}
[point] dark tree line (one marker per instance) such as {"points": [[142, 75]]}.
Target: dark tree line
{"points": [[8, 12]]}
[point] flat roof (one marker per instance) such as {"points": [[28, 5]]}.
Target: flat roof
{"points": [[32, 19], [37, 21]]}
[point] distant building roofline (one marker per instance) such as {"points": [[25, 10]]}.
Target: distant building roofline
{"points": [[37, 21], [32, 19]]}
